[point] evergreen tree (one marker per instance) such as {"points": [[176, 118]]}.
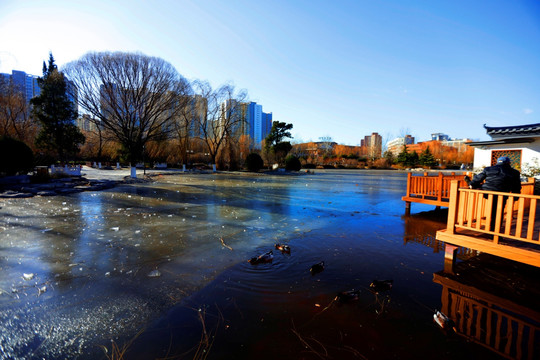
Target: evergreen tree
{"points": [[390, 157], [274, 140], [412, 159], [403, 156], [427, 159], [279, 131], [56, 113]]}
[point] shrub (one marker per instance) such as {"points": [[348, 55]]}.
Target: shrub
{"points": [[381, 163], [254, 162], [292, 163], [17, 157]]}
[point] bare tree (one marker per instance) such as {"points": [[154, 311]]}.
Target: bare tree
{"points": [[326, 144], [223, 117], [15, 120], [135, 97], [187, 125]]}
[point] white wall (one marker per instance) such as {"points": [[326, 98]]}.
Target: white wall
{"points": [[531, 154], [530, 151], [482, 158]]}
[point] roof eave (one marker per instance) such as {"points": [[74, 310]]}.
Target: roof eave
{"points": [[501, 141]]}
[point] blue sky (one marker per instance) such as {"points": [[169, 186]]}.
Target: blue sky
{"points": [[342, 69]]}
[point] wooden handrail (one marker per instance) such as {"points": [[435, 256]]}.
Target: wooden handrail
{"points": [[472, 210], [434, 187]]}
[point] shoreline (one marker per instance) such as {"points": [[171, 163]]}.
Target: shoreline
{"points": [[101, 179]]}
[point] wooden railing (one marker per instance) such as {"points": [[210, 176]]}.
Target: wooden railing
{"points": [[527, 188], [438, 187], [435, 188], [514, 217]]}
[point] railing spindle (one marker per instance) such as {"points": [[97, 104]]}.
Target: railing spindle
{"points": [[489, 218], [479, 211], [470, 210], [532, 220], [509, 215], [509, 337], [520, 216]]}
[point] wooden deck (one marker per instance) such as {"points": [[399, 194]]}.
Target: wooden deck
{"points": [[511, 232], [435, 189]]}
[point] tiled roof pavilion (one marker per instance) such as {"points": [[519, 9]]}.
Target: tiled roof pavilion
{"points": [[510, 134], [513, 131]]}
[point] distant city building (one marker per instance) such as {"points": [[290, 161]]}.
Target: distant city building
{"points": [[254, 122], [448, 141], [373, 145], [115, 99], [26, 83], [457, 143], [259, 123], [28, 86], [440, 137], [194, 114], [72, 94], [395, 146], [86, 123], [266, 124]]}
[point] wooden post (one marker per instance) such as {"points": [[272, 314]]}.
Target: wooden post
{"points": [[529, 190], [440, 187], [408, 203], [453, 206], [409, 179], [449, 258]]}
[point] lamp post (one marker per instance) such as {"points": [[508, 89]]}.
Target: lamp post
{"points": [[143, 159], [188, 155]]}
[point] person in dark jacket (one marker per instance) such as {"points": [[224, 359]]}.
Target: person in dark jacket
{"points": [[499, 177]]}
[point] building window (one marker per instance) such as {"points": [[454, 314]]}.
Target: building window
{"points": [[514, 155]]}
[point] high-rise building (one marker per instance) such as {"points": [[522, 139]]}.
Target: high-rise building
{"points": [[86, 123], [373, 145], [194, 115], [25, 83], [247, 119], [28, 86], [259, 123], [266, 124], [255, 123]]}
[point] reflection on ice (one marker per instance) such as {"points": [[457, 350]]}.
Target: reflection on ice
{"points": [[91, 248]]}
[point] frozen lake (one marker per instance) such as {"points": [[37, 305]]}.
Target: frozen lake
{"points": [[153, 262]]}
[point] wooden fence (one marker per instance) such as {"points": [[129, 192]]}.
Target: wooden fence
{"points": [[428, 189], [435, 190], [479, 219]]}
